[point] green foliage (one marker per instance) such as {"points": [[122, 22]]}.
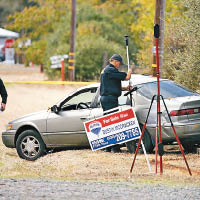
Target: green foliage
{"points": [[8, 7], [97, 35], [33, 52], [57, 43], [90, 55], [48, 25], [101, 26], [41, 24], [142, 28], [182, 57], [123, 14]]}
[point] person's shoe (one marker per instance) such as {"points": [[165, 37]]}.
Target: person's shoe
{"points": [[107, 149]]}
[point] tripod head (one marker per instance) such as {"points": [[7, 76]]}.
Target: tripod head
{"points": [[126, 39], [156, 31]]}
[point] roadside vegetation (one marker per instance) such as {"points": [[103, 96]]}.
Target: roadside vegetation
{"points": [[182, 43], [101, 25]]}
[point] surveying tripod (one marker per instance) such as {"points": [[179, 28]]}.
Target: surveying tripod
{"points": [[158, 146]]}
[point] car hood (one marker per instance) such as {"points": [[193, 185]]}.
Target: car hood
{"points": [[36, 116]]}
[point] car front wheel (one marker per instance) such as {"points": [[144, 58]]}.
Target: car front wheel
{"points": [[30, 145]]}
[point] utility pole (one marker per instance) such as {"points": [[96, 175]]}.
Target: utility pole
{"points": [[156, 21], [160, 20], [162, 30], [71, 66]]}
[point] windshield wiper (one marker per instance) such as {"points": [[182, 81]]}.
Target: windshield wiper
{"points": [[132, 90]]}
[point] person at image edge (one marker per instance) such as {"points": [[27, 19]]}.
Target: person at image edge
{"points": [[4, 95]]}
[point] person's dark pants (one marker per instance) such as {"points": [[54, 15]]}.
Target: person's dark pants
{"points": [[110, 102]]}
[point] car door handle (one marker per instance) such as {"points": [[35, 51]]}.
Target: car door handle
{"points": [[83, 118]]}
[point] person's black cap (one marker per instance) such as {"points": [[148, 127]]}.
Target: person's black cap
{"points": [[118, 58]]}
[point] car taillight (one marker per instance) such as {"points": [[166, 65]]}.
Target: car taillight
{"points": [[185, 112]]}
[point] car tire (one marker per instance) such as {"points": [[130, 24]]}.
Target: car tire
{"points": [[132, 145], [30, 145], [189, 148]]}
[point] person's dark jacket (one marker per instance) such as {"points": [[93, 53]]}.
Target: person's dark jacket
{"points": [[3, 92], [111, 81]]}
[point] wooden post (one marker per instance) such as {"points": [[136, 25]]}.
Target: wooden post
{"points": [[71, 67], [63, 70]]}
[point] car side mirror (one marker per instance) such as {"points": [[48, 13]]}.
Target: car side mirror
{"points": [[55, 109]]}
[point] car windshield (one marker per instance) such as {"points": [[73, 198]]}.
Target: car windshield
{"points": [[168, 89]]}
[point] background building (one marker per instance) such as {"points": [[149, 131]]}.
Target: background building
{"points": [[7, 52]]}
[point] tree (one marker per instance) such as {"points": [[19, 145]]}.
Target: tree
{"points": [[137, 18], [122, 13], [101, 26], [48, 27], [35, 23], [97, 34], [182, 57], [6, 9], [142, 28]]}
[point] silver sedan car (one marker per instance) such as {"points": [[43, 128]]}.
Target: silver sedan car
{"points": [[62, 124]]}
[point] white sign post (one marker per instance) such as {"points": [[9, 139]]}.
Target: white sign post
{"points": [[56, 61]]}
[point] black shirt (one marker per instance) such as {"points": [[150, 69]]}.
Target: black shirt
{"points": [[111, 81], [3, 92]]}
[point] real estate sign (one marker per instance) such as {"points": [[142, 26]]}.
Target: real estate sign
{"points": [[115, 128]]}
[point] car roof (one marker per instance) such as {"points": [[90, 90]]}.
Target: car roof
{"points": [[139, 79], [93, 85], [136, 79]]}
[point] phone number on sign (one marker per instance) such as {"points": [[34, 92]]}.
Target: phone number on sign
{"points": [[126, 135], [116, 138]]}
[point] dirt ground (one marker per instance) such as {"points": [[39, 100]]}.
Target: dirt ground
{"points": [[79, 164], [21, 73]]}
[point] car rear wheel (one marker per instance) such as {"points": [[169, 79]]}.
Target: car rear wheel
{"points": [[30, 145], [189, 148], [132, 145]]}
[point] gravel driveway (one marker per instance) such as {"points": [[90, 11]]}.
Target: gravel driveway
{"points": [[28, 189]]}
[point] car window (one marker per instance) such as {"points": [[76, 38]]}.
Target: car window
{"points": [[84, 96], [168, 89], [122, 100]]}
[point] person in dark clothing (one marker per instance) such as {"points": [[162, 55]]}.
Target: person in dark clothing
{"points": [[4, 95], [110, 87]]}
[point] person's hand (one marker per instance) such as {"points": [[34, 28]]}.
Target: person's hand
{"points": [[129, 87], [130, 70], [3, 106]]}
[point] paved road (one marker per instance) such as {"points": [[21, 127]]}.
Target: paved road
{"points": [[29, 189]]}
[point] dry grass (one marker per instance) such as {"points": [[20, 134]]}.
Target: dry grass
{"points": [[100, 166], [82, 164]]}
